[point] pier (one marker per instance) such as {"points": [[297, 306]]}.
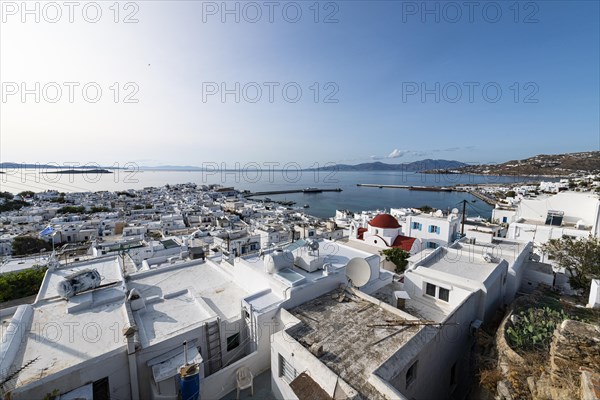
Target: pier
{"points": [[474, 193], [421, 188], [482, 197], [306, 190]]}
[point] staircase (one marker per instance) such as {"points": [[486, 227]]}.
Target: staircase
{"points": [[213, 340]]}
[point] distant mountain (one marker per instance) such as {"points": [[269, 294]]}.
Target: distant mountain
{"points": [[12, 165], [415, 166], [540, 165]]}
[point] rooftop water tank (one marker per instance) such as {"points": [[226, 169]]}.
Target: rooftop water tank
{"points": [[78, 282], [277, 260]]}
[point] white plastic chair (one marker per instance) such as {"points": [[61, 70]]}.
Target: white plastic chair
{"points": [[245, 380]]}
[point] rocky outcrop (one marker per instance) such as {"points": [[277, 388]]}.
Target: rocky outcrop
{"points": [[575, 344]]}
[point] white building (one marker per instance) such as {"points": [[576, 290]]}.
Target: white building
{"points": [[125, 337], [388, 343], [571, 214], [433, 230]]}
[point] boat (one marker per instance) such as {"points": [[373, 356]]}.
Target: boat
{"points": [[312, 190], [306, 206]]}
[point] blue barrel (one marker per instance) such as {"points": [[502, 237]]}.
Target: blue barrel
{"points": [[189, 384]]}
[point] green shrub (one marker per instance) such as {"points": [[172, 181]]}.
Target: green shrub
{"points": [[16, 285], [533, 328]]}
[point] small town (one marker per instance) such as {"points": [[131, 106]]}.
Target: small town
{"points": [[300, 200], [111, 293]]}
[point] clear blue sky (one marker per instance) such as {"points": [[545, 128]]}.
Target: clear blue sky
{"points": [[376, 58]]}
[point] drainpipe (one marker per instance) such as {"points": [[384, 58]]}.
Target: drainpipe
{"points": [[133, 373], [131, 332]]}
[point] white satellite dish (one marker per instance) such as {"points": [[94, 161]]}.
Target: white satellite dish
{"points": [[455, 211], [358, 271], [439, 213]]}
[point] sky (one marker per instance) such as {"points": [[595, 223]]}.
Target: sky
{"points": [[191, 82]]}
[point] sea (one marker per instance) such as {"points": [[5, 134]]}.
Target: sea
{"points": [[324, 204]]}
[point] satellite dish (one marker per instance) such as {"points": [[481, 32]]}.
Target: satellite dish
{"points": [[439, 213], [358, 271], [455, 211]]}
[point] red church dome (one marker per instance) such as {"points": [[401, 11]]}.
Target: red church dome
{"points": [[384, 221]]}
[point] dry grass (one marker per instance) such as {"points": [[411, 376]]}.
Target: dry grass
{"points": [[489, 378]]}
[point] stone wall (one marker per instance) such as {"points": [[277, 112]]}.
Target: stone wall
{"points": [[575, 344]]}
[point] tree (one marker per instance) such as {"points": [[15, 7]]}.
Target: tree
{"points": [[24, 245], [6, 195], [579, 257], [425, 208], [27, 193], [397, 256]]}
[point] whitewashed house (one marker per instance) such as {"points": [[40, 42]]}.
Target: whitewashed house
{"points": [[573, 214]]}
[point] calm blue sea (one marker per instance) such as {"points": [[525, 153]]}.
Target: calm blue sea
{"points": [[323, 204]]}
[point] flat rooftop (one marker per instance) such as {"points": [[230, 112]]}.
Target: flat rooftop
{"points": [[469, 267], [20, 264], [62, 333], [108, 267], [335, 253], [351, 348], [499, 248], [182, 295]]}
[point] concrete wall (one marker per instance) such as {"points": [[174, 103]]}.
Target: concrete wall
{"points": [[542, 233], [576, 206], [113, 365], [495, 289], [436, 349], [302, 361], [195, 336], [515, 273], [414, 285], [533, 278]]}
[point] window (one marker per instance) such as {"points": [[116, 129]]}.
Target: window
{"points": [[444, 294], [101, 389], [554, 218], [504, 220], [430, 289], [411, 373], [286, 371], [434, 229], [432, 245], [416, 225], [233, 341], [311, 233]]}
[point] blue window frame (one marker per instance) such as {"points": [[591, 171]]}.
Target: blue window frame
{"points": [[416, 225], [434, 229]]}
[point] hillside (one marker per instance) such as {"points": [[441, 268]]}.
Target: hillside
{"points": [[543, 164], [415, 166]]}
